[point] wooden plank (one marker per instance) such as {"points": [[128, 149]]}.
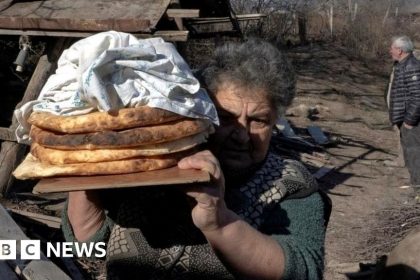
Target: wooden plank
{"points": [[5, 4], [81, 15], [318, 135], [173, 36], [167, 35], [169, 176], [57, 207], [40, 269], [53, 222], [209, 20], [12, 153], [183, 13], [179, 23], [52, 197], [7, 134]]}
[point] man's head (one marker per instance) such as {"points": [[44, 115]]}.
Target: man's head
{"points": [[400, 48]]}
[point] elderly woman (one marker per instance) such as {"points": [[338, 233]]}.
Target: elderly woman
{"points": [[261, 216]]}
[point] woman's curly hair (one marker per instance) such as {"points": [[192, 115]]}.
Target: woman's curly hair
{"points": [[253, 64]]}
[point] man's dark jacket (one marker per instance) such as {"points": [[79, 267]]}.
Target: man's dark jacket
{"points": [[405, 92]]}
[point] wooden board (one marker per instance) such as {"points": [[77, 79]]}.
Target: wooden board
{"points": [[81, 15], [169, 176], [167, 35]]}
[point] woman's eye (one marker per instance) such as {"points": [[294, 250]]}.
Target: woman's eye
{"points": [[226, 117], [259, 123]]}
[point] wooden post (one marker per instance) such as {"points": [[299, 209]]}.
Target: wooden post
{"points": [[331, 18], [302, 20], [12, 153]]}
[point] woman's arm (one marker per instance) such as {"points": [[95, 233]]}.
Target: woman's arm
{"points": [[85, 214], [247, 252]]}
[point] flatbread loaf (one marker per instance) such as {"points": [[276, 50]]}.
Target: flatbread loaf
{"points": [[54, 156], [100, 121], [32, 168], [120, 139]]}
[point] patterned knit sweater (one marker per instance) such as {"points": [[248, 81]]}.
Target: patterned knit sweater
{"points": [[152, 235]]}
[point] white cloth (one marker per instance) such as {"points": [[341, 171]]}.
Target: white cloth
{"points": [[112, 70]]}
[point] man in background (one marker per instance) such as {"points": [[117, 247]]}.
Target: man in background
{"points": [[404, 105]]}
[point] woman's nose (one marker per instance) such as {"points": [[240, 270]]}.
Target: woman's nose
{"points": [[241, 133]]}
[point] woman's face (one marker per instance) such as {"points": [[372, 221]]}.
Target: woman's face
{"points": [[246, 121]]}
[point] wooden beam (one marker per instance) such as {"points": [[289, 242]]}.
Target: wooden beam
{"points": [[7, 134], [123, 15], [226, 19], [179, 23], [51, 221], [182, 13], [173, 36], [168, 35], [11, 153], [168, 176]]}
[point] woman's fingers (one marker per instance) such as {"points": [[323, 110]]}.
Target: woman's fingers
{"points": [[203, 160]]}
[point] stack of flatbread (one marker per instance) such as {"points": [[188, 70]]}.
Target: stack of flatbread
{"points": [[132, 140]]}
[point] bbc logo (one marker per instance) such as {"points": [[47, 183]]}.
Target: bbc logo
{"points": [[29, 249]]}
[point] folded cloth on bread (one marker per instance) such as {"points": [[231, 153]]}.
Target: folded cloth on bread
{"points": [[112, 70]]}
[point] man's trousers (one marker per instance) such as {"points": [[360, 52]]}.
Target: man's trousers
{"points": [[410, 142]]}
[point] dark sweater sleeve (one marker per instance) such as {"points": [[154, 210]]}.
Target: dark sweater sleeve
{"points": [[301, 234]]}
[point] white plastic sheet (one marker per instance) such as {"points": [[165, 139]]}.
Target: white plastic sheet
{"points": [[113, 70]]}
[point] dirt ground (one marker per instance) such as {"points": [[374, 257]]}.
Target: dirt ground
{"points": [[370, 210]]}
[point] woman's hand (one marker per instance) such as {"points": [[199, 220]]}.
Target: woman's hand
{"points": [[210, 213], [247, 252]]}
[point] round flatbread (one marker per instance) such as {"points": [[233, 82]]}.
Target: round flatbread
{"points": [[120, 139], [32, 168], [100, 121], [54, 156]]}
